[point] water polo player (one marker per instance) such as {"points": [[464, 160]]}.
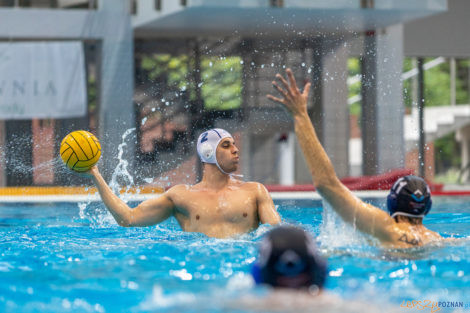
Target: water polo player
{"points": [[409, 200], [290, 266], [218, 206], [288, 258]]}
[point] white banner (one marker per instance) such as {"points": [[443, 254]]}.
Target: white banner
{"points": [[42, 80]]}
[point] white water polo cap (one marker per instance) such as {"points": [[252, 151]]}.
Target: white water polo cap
{"points": [[207, 145]]}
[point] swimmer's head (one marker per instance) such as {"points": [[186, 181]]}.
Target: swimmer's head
{"points": [[207, 144], [410, 196], [288, 258]]}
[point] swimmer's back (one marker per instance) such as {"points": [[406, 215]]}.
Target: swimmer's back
{"points": [[407, 236]]}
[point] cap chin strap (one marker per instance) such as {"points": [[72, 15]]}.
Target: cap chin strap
{"points": [[220, 168], [406, 214]]}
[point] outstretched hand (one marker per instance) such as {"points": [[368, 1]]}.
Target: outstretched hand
{"points": [[294, 100]]}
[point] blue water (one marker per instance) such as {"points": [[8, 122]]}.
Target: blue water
{"points": [[74, 258]]}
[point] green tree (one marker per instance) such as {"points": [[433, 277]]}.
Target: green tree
{"points": [[436, 85], [221, 87], [222, 83], [168, 69], [437, 93], [354, 69]]}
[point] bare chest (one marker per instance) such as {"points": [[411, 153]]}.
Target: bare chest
{"points": [[225, 206]]}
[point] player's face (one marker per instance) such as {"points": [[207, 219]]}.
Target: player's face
{"points": [[227, 155]]}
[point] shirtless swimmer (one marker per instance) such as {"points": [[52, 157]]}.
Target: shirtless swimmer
{"points": [[218, 206]]}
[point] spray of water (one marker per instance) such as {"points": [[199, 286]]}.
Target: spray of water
{"points": [[121, 172], [335, 233], [96, 212]]}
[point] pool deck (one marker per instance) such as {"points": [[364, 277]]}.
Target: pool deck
{"points": [[90, 194], [37, 194]]}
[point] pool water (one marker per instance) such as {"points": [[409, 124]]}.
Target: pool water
{"points": [[74, 258]]}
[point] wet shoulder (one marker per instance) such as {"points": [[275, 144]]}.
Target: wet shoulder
{"points": [[178, 190], [251, 186], [408, 236]]}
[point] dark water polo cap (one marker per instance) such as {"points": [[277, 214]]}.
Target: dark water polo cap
{"points": [[409, 196], [288, 258]]}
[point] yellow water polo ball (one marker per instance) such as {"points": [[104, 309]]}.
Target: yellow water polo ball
{"points": [[80, 150]]}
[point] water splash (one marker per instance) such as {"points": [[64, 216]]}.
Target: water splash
{"points": [[159, 299], [335, 233], [82, 209], [97, 212], [121, 172]]}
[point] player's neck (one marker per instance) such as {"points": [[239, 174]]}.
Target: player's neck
{"points": [[414, 221], [212, 177]]}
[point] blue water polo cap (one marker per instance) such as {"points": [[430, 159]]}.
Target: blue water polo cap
{"points": [[288, 258], [409, 196]]}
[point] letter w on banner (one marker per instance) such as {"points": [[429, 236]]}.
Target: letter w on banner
{"points": [[42, 80]]}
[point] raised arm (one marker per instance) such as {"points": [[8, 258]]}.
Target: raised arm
{"points": [[266, 211], [149, 212], [365, 217]]}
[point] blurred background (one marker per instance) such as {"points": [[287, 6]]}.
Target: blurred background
{"points": [[391, 86]]}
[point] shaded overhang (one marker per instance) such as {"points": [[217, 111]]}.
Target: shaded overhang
{"points": [[224, 20]]}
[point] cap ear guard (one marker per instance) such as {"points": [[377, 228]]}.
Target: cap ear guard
{"points": [[427, 207], [392, 202], [207, 151]]}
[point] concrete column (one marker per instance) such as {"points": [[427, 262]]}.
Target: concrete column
{"points": [[463, 136], [43, 151], [116, 84], [382, 101], [286, 164], [264, 119], [248, 95], [3, 180], [19, 153], [245, 155], [330, 113]]}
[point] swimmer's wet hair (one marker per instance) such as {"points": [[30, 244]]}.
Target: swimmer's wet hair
{"points": [[288, 258]]}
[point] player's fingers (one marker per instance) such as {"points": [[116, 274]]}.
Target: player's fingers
{"points": [[275, 98], [283, 81], [292, 81], [278, 88], [306, 89]]}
